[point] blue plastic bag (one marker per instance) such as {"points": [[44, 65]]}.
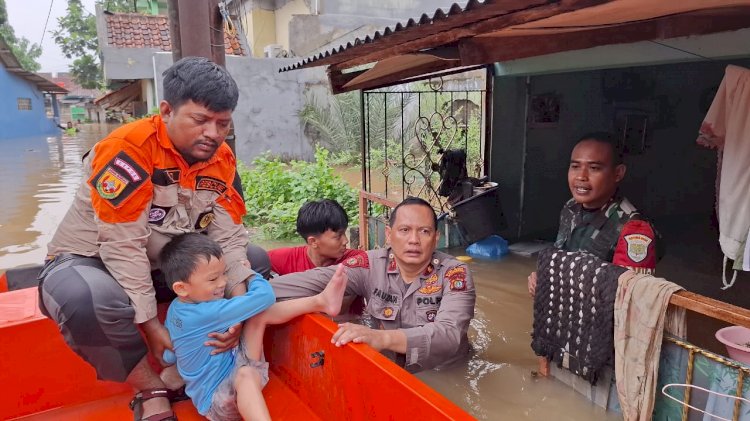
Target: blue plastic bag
{"points": [[492, 247]]}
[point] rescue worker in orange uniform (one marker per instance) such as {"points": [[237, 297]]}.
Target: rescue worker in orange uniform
{"points": [[143, 184]]}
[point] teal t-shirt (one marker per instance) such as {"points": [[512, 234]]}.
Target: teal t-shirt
{"points": [[189, 325]]}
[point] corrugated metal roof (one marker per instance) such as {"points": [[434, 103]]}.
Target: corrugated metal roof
{"points": [[10, 62], [424, 20]]}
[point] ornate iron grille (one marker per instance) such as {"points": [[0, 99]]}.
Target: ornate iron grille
{"points": [[407, 131]]}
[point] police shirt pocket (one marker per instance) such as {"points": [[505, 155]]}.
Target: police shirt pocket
{"points": [[427, 307], [382, 310]]}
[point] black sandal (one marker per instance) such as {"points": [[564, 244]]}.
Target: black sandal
{"points": [[136, 405], [177, 395]]}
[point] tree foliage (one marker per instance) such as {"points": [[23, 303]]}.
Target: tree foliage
{"points": [[24, 50], [76, 36], [77, 39], [274, 192]]}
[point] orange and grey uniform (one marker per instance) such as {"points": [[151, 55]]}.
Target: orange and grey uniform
{"points": [[433, 311], [136, 194]]}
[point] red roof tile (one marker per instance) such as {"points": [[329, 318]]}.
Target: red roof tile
{"points": [[133, 30]]}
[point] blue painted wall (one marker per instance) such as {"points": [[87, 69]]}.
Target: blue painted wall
{"points": [[15, 123]]}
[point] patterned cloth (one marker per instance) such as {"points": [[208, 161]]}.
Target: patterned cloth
{"points": [[573, 307], [640, 318]]}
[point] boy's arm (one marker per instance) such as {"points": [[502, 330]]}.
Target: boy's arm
{"points": [[237, 309]]}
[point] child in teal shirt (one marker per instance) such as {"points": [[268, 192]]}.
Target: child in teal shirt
{"points": [[228, 385]]}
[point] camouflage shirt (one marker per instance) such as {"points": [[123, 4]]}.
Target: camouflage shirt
{"points": [[616, 233]]}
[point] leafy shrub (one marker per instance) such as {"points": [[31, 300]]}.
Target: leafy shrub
{"points": [[274, 192]]}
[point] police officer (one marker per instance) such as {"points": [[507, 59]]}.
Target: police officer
{"points": [[144, 183], [598, 220], [421, 300]]}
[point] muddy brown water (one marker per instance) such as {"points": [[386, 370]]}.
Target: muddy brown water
{"points": [[40, 176]]}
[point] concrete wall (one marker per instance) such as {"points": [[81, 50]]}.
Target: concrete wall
{"points": [[17, 123], [128, 63], [266, 118], [673, 177]]}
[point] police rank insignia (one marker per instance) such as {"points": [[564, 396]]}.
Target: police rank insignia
{"points": [[456, 278], [637, 246], [431, 315], [431, 285], [388, 312], [205, 220], [110, 184]]}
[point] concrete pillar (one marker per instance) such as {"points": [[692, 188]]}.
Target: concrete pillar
{"points": [[55, 107]]}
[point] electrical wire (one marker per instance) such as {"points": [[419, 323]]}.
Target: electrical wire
{"points": [[49, 12]]}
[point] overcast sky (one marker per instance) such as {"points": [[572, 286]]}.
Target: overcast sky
{"points": [[27, 18]]}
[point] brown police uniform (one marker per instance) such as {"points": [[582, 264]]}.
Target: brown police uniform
{"points": [[137, 192], [434, 311]]}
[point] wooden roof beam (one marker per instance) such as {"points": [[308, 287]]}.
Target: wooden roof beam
{"points": [[490, 49]]}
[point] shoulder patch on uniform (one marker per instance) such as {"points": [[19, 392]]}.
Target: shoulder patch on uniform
{"points": [[119, 179], [211, 184], [356, 259], [456, 277], [636, 246]]}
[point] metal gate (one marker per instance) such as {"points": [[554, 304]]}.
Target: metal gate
{"points": [[406, 131]]}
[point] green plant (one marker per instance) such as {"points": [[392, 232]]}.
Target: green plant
{"points": [[274, 192]]}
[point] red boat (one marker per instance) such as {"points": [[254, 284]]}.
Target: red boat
{"points": [[42, 379]]}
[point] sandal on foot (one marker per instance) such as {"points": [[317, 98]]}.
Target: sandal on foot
{"points": [[136, 405], [177, 395]]}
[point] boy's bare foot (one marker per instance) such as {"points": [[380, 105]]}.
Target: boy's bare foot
{"points": [[333, 294]]}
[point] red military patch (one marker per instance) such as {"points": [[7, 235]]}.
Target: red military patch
{"points": [[456, 278], [636, 247], [356, 259]]}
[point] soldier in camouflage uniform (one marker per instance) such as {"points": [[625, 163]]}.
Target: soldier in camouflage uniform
{"points": [[597, 219]]}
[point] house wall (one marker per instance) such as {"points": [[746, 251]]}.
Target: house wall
{"points": [[16, 123], [283, 16], [673, 177], [266, 118]]}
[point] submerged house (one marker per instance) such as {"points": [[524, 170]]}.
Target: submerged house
{"points": [[646, 71], [22, 104]]}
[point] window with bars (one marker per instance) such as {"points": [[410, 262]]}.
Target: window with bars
{"points": [[24, 104]]}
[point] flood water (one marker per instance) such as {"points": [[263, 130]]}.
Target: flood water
{"points": [[40, 176]]}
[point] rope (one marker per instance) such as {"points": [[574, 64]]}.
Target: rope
{"points": [[229, 27], [44, 31], [711, 392]]}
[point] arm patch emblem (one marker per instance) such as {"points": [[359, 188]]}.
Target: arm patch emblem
{"points": [[119, 179], [457, 278], [211, 184], [636, 247]]}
